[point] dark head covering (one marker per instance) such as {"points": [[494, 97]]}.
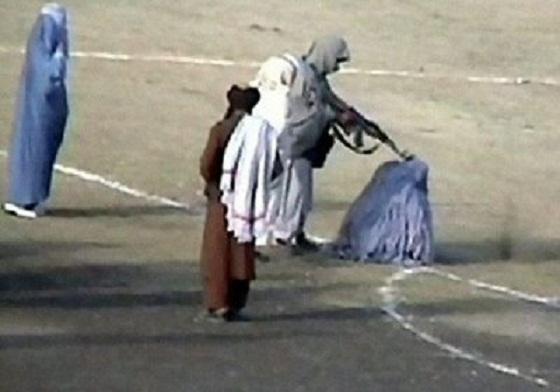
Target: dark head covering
{"points": [[240, 98]]}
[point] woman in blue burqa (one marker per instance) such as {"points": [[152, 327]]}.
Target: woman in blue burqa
{"points": [[391, 221], [41, 113]]}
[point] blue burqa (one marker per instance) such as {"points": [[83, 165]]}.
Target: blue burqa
{"points": [[41, 109], [391, 221]]}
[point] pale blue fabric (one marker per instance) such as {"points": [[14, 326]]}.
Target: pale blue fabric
{"points": [[41, 110], [391, 221]]}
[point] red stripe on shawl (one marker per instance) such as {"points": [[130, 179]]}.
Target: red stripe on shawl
{"points": [[248, 218]]}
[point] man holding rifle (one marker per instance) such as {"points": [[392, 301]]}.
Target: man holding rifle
{"points": [[325, 56], [306, 146]]}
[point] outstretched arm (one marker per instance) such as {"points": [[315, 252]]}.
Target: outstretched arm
{"points": [[336, 104], [349, 118]]}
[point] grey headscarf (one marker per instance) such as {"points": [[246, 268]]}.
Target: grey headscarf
{"points": [[326, 54]]}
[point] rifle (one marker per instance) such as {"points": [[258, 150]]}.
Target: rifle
{"points": [[361, 125]]}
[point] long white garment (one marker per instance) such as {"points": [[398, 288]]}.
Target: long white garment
{"points": [[274, 80], [289, 102], [293, 200], [245, 183]]}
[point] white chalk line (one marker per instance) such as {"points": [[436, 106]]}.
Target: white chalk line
{"points": [[392, 298], [117, 186], [552, 302], [194, 60], [389, 292]]}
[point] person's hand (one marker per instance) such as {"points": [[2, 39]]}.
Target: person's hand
{"points": [[348, 118]]}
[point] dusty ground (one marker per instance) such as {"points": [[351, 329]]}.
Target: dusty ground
{"points": [[101, 295]]}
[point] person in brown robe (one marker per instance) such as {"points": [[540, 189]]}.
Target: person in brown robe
{"points": [[227, 266]]}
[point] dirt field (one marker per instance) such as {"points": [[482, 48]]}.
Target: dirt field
{"points": [[101, 293]]}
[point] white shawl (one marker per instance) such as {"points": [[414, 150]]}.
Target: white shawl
{"points": [[289, 102], [274, 80], [246, 173]]}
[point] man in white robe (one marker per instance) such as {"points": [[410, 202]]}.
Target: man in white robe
{"points": [[289, 102], [309, 107]]}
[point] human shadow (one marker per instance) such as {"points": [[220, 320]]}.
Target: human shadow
{"points": [[124, 211]]}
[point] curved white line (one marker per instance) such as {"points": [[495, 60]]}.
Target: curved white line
{"points": [[392, 298], [388, 291], [553, 302]]}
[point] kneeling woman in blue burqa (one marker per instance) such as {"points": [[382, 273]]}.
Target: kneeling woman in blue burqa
{"points": [[391, 221], [41, 113]]}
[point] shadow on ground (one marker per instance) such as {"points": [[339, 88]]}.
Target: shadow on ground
{"points": [[92, 297], [124, 211], [83, 340], [93, 300], [324, 315], [505, 249], [92, 276], [67, 278], [460, 252], [10, 251]]}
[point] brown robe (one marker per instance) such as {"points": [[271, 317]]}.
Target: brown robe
{"points": [[227, 266]]}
